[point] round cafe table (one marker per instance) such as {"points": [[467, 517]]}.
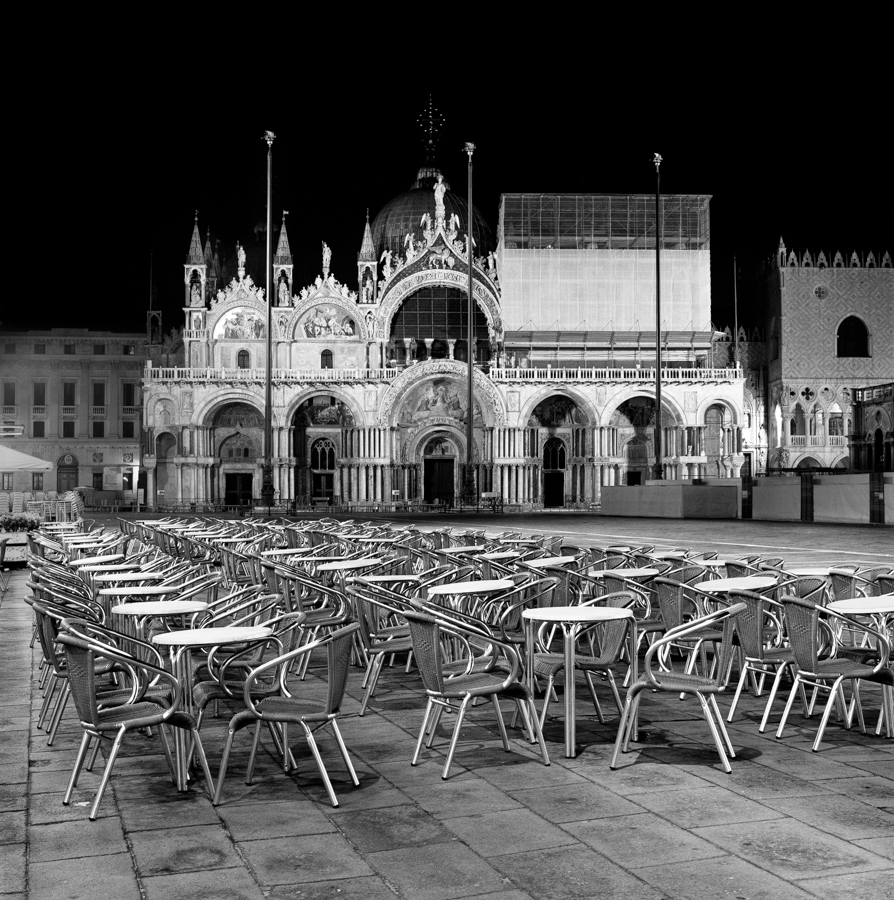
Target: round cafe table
{"points": [[500, 554], [742, 583], [387, 579], [465, 548], [124, 577], [141, 611], [808, 571], [571, 619], [345, 565], [494, 586], [180, 644], [550, 561], [633, 572], [286, 551]]}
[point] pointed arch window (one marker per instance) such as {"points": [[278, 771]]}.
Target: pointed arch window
{"points": [[554, 454], [243, 360], [326, 359], [852, 338], [322, 455]]}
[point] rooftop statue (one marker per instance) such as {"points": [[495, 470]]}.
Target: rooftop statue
{"points": [[386, 268], [327, 256], [440, 190], [240, 255]]}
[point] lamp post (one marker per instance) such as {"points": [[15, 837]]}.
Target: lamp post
{"points": [[469, 481], [658, 473], [267, 474]]}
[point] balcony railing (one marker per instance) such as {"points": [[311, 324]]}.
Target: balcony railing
{"points": [[131, 410], [611, 374], [38, 410], [99, 411], [9, 410], [293, 376], [817, 440], [69, 410]]}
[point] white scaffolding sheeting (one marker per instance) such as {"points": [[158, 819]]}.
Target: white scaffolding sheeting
{"points": [[604, 290]]}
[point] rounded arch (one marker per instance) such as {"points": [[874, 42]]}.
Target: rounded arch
{"points": [[668, 405], [243, 359], [806, 462], [206, 411], [300, 316], [67, 459], [852, 338], [584, 405], [416, 442], [329, 391], [735, 413]]}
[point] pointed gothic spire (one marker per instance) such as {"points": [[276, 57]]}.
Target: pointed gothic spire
{"points": [[367, 248], [283, 255], [195, 256], [209, 253]]}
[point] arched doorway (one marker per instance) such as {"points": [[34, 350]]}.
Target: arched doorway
{"points": [[634, 422], [165, 471], [554, 461], [238, 462], [66, 473], [439, 470], [320, 418]]}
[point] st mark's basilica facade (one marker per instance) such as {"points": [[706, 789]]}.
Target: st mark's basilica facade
{"points": [[369, 385]]}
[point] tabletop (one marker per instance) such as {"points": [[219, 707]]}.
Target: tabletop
{"points": [[471, 587], [128, 576], [808, 571], [386, 579], [345, 564], [864, 606], [551, 561], [668, 554], [110, 567], [466, 548], [136, 590], [742, 583], [160, 608], [212, 637], [286, 551], [577, 614], [632, 572], [530, 542], [499, 554], [109, 557], [710, 563], [373, 540]]}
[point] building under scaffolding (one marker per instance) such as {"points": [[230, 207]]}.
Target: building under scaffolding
{"points": [[577, 273]]}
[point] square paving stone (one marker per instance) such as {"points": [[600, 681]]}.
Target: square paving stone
{"points": [[883, 846], [572, 873], [836, 814], [516, 772], [364, 888], [228, 884], [512, 831], [392, 828], [868, 886], [791, 849], [12, 868], [99, 877], [720, 878], [705, 806], [45, 808], [303, 858], [637, 776], [13, 796], [641, 840], [873, 790], [171, 810], [575, 802], [285, 818], [437, 872], [463, 795], [63, 840], [12, 827], [183, 850], [756, 781]]}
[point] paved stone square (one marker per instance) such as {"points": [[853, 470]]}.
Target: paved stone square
{"points": [[787, 823]]}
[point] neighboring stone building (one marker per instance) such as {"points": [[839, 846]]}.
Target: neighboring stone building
{"points": [[872, 439], [73, 397], [369, 386], [830, 330]]}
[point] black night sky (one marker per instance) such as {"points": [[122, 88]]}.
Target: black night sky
{"points": [[123, 179]]}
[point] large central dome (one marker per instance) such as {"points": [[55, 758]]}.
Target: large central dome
{"points": [[403, 215]]}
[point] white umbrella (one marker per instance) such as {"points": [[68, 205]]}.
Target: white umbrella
{"points": [[16, 461]]}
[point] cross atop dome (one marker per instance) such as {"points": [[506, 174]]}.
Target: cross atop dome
{"points": [[430, 122]]}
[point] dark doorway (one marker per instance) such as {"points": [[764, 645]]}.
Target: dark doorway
{"points": [[553, 488], [323, 486], [439, 481], [238, 489], [634, 478], [66, 478]]}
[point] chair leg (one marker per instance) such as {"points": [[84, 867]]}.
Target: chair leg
{"points": [[718, 743], [592, 687], [712, 700], [788, 706], [372, 679], [455, 736], [422, 730], [344, 752], [773, 691], [107, 773], [172, 768], [57, 713], [76, 771], [500, 723], [222, 771], [250, 769], [746, 670], [319, 759], [827, 711], [620, 741]]}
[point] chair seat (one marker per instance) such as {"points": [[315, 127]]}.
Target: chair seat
{"points": [[774, 655], [293, 710], [683, 682], [550, 663], [840, 666], [139, 715]]}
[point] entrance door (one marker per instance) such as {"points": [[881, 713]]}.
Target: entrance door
{"points": [[323, 486], [238, 489], [553, 488], [66, 478], [438, 481]]}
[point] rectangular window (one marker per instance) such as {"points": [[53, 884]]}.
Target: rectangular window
{"points": [[37, 481], [40, 393], [99, 393], [9, 393], [68, 393], [99, 349], [9, 349], [6, 481], [39, 429], [127, 429], [97, 481], [128, 393], [40, 349], [68, 349], [129, 350], [99, 429], [68, 429]]}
